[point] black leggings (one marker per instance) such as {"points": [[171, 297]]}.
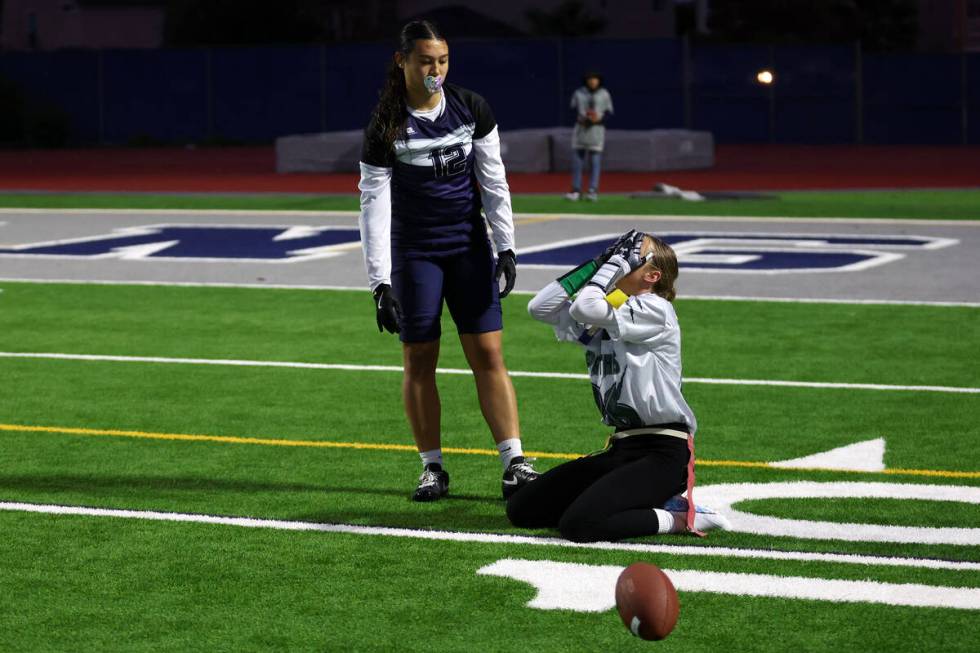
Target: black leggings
{"points": [[605, 496]]}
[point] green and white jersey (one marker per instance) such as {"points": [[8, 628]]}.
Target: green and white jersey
{"points": [[634, 359]]}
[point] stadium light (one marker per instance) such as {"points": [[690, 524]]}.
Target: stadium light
{"points": [[765, 77]]}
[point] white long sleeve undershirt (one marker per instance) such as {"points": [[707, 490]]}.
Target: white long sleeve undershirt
{"points": [[589, 308], [489, 168], [375, 223], [546, 306]]}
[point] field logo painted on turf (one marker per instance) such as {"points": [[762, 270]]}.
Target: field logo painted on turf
{"points": [[766, 253], [183, 242], [724, 497], [590, 588]]}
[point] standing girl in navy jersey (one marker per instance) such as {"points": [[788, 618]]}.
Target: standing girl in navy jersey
{"points": [[430, 163]]}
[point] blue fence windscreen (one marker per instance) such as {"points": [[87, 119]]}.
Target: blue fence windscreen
{"points": [[972, 74], [814, 94], [912, 98], [726, 97], [353, 77], [66, 81], [257, 94], [519, 79], [155, 95], [262, 93]]}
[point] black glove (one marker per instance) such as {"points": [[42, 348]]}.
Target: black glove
{"points": [[389, 313], [507, 266], [623, 242]]}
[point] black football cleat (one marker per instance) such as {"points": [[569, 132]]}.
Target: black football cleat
{"points": [[433, 484], [518, 474]]}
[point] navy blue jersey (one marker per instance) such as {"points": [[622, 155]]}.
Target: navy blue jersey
{"points": [[435, 201]]}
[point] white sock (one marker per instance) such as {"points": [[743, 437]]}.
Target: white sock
{"points": [[431, 456], [670, 522], [509, 449]]}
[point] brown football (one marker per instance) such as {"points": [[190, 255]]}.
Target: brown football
{"points": [[647, 601]]}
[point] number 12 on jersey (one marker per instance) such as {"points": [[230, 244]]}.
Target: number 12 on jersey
{"points": [[448, 161]]}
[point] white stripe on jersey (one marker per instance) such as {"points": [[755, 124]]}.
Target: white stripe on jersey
{"points": [[416, 151]]}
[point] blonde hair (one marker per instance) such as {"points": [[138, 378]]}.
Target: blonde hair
{"points": [[665, 261]]}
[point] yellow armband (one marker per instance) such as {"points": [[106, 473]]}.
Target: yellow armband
{"points": [[617, 298]]}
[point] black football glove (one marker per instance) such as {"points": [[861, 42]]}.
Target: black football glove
{"points": [[507, 266], [389, 313]]}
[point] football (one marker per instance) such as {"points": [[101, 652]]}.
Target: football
{"points": [[647, 601]]}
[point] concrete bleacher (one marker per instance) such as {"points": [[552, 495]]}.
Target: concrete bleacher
{"points": [[641, 151], [523, 150], [324, 152]]}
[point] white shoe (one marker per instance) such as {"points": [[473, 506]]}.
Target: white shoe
{"points": [[592, 196], [572, 196], [705, 518], [710, 520]]}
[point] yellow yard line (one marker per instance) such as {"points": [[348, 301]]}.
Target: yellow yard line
{"points": [[271, 442], [733, 463], [942, 473], [328, 444], [534, 220]]}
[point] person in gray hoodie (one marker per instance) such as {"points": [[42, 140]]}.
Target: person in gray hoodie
{"points": [[592, 104]]}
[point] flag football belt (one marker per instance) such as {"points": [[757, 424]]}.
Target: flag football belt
{"points": [[678, 432], [650, 430]]}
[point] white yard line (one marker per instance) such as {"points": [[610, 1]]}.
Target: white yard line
{"points": [[450, 370], [492, 538], [280, 286]]}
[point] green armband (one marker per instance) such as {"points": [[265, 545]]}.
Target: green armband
{"points": [[575, 280]]}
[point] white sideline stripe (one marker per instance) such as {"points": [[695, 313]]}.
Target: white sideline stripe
{"points": [[285, 286], [296, 213], [197, 284], [967, 222], [817, 300], [490, 538], [450, 370]]}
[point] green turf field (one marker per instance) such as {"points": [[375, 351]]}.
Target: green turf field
{"points": [[111, 584], [331, 446], [920, 204]]}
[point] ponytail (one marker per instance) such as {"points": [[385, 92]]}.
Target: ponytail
{"points": [[390, 113]]}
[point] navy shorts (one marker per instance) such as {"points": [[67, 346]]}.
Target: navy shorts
{"points": [[466, 281]]}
